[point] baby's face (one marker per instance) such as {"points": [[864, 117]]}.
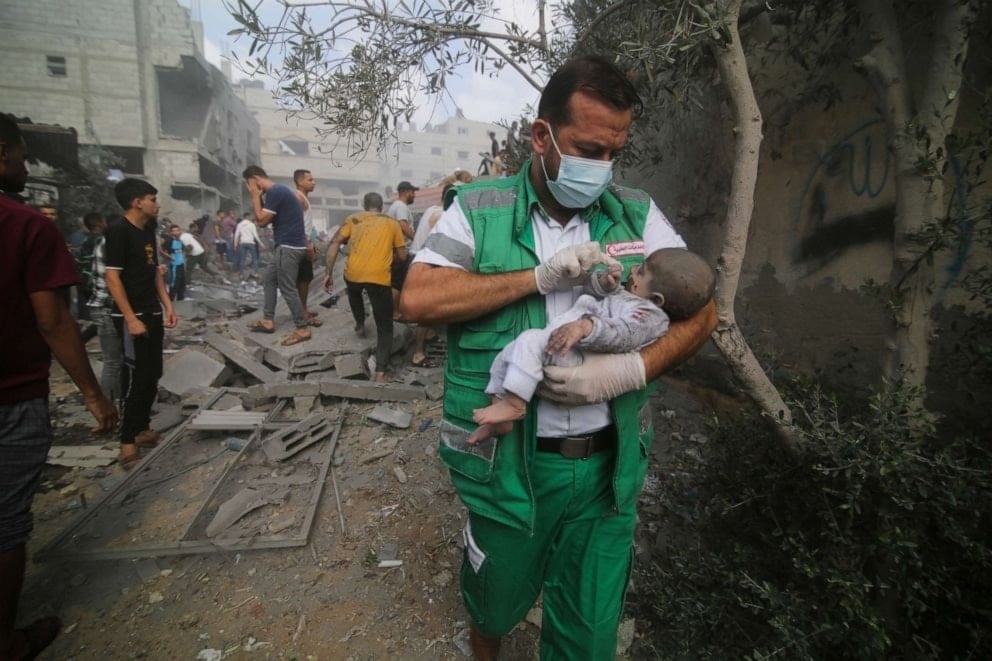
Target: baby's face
{"points": [[639, 282]]}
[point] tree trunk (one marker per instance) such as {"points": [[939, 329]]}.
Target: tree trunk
{"points": [[747, 135], [918, 134]]}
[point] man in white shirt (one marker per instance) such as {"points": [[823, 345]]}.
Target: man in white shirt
{"points": [[406, 193], [196, 253], [246, 245]]}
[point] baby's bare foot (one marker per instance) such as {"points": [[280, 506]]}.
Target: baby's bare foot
{"points": [[486, 431]]}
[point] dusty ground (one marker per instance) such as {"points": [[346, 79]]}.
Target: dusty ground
{"points": [[327, 600]]}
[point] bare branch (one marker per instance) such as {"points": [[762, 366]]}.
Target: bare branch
{"points": [[513, 63]]}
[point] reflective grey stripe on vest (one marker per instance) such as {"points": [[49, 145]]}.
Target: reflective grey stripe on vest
{"points": [[623, 194], [488, 198], [454, 251]]}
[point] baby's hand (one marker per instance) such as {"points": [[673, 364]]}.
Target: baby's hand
{"points": [[609, 278], [567, 336]]}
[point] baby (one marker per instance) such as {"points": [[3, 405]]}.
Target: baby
{"points": [[672, 283]]}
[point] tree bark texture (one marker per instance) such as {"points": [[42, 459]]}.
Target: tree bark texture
{"points": [[747, 136], [916, 131]]}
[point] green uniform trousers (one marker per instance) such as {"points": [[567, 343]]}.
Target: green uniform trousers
{"points": [[580, 555]]}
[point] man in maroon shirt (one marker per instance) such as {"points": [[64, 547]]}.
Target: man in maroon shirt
{"points": [[34, 265]]}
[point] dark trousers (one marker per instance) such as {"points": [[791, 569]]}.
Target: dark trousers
{"points": [[381, 298], [139, 378], [177, 286]]}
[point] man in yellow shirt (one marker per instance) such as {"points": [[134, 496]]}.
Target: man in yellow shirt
{"points": [[375, 241]]}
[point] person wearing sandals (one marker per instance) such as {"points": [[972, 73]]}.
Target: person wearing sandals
{"points": [[34, 266], [304, 186], [283, 211], [375, 240], [141, 311]]}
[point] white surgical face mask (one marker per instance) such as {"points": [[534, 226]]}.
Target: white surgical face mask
{"points": [[580, 180]]}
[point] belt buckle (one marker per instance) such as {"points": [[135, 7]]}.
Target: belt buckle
{"points": [[577, 447]]}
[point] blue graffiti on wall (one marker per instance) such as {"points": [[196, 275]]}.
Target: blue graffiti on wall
{"points": [[858, 166]]}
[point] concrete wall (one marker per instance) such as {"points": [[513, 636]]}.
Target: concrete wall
{"points": [[114, 52], [822, 224]]}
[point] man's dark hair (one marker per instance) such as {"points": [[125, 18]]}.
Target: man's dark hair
{"points": [[253, 171], [10, 133], [372, 202], [299, 174], [92, 219], [593, 74], [131, 189]]}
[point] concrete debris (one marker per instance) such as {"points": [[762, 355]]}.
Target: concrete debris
{"points": [[188, 310], [399, 474], [382, 392], [226, 403], [147, 570], [434, 392], [226, 420], [210, 654], [266, 392], [463, 643], [311, 361], [389, 564], [625, 636], [388, 551], [155, 597], [81, 456], [350, 366], [243, 502], [375, 455], [391, 417], [166, 419], [287, 442], [242, 358], [442, 579], [281, 524], [304, 405], [191, 369]]}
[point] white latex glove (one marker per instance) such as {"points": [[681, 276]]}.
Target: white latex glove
{"points": [[568, 267], [600, 378]]}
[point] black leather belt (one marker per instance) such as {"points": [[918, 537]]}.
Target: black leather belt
{"points": [[579, 447]]}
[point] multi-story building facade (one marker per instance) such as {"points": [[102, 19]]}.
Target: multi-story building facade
{"points": [[130, 76], [292, 141]]}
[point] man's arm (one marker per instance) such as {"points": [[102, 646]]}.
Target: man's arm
{"points": [[115, 286], [61, 334], [262, 217], [406, 229], [683, 339], [400, 253], [332, 256], [435, 295], [170, 320]]}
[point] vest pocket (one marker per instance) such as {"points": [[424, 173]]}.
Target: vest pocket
{"points": [[473, 461], [489, 333]]}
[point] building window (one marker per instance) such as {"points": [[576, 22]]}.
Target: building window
{"points": [[406, 148], [56, 66], [351, 201], [292, 147], [463, 155], [462, 130], [406, 174], [435, 151]]}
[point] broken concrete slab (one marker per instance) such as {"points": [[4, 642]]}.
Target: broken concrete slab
{"points": [[303, 405], [434, 392], [243, 502], [366, 390], [226, 420], [81, 456], [350, 366], [287, 442], [311, 361], [147, 570], [189, 310], [264, 391], [191, 369], [226, 403], [393, 417], [241, 357], [166, 419]]}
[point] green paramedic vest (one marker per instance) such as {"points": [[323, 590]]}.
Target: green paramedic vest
{"points": [[493, 479]]}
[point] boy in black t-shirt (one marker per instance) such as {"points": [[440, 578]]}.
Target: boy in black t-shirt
{"points": [[140, 299]]}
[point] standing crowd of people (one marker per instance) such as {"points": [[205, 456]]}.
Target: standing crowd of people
{"points": [[563, 296]]}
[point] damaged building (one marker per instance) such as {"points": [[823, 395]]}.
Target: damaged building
{"points": [[130, 76]]}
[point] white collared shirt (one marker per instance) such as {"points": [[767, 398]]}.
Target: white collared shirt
{"points": [[452, 244]]}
